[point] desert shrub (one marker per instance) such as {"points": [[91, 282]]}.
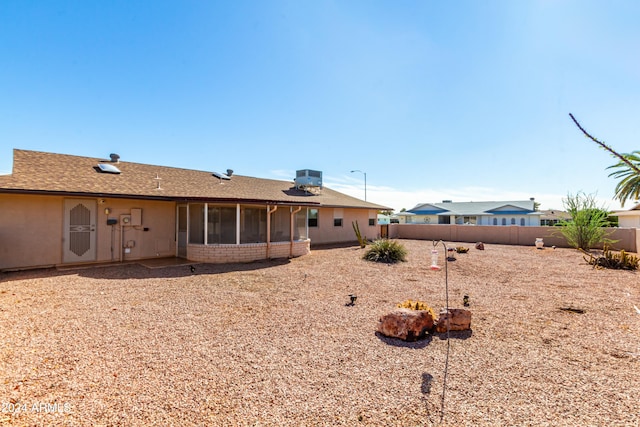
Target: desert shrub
{"points": [[416, 305], [585, 229], [462, 250], [617, 261], [385, 250]]}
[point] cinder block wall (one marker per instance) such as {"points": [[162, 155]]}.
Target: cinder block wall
{"points": [[627, 238]]}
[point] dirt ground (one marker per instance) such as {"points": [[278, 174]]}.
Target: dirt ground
{"points": [[553, 342]]}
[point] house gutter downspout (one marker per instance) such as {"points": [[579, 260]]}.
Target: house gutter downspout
{"points": [[269, 212], [293, 213]]}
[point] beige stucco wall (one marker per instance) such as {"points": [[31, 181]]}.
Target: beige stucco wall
{"points": [[326, 232], [31, 230], [629, 220], [158, 241]]}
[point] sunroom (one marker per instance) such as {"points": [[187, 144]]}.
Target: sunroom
{"points": [[234, 232]]}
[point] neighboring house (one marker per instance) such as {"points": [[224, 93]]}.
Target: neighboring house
{"points": [[553, 217], [521, 213], [630, 218], [58, 209]]}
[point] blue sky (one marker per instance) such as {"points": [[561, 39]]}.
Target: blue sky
{"points": [[465, 100]]}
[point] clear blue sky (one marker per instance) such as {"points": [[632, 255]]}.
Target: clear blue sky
{"points": [[464, 100]]}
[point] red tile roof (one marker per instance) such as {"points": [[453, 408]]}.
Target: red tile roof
{"points": [[39, 172]]}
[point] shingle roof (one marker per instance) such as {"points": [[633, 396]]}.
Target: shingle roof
{"points": [[39, 172]]}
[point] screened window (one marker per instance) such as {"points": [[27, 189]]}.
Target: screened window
{"points": [[522, 222], [372, 221], [495, 221], [337, 222], [253, 225], [221, 224], [513, 221], [504, 221], [196, 223], [280, 227]]}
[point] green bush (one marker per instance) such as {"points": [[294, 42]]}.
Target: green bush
{"points": [[585, 229], [385, 250]]}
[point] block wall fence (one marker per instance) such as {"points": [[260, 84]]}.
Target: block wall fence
{"points": [[627, 238]]}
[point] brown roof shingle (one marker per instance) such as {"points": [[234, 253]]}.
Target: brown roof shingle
{"points": [[39, 172]]}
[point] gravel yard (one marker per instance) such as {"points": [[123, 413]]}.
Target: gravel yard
{"points": [[274, 343]]}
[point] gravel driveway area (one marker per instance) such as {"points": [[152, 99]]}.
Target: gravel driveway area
{"points": [[553, 342]]}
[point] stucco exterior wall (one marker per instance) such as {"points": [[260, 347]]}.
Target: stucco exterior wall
{"points": [[326, 232], [32, 235], [629, 221], [155, 237], [30, 231], [506, 235]]}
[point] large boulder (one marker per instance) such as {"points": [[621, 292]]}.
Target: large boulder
{"points": [[459, 319], [406, 324]]}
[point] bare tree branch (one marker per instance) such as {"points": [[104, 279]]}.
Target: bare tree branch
{"points": [[605, 146]]}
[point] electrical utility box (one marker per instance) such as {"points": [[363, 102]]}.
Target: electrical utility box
{"points": [[136, 217]]}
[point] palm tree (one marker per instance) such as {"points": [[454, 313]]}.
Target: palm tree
{"points": [[629, 186], [628, 169]]}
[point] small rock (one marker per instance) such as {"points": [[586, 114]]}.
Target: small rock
{"points": [[480, 246], [459, 320]]}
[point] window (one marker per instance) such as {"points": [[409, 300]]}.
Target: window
{"points": [[522, 222], [337, 222], [196, 223], [221, 224], [280, 227], [338, 214], [372, 221], [504, 221], [495, 221], [312, 217], [444, 220], [513, 221], [253, 225]]}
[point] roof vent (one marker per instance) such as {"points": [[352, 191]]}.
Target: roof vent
{"points": [[229, 172], [114, 158]]}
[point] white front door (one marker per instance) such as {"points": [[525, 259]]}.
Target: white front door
{"points": [[79, 230]]}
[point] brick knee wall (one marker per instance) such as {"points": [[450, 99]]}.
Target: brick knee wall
{"points": [[223, 254]]}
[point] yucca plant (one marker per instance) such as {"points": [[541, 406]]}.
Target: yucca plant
{"points": [[385, 250]]}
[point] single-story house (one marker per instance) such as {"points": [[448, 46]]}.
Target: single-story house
{"points": [[521, 213], [553, 217], [630, 218], [58, 209]]}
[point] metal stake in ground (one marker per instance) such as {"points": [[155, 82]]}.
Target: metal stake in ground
{"points": [[446, 362]]}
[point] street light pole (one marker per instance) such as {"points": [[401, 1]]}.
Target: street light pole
{"points": [[365, 182]]}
